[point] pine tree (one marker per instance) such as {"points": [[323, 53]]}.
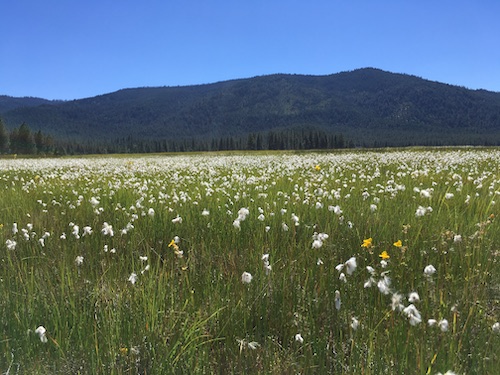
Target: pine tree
{"points": [[4, 138]]}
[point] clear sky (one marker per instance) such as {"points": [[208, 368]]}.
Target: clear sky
{"points": [[71, 49]]}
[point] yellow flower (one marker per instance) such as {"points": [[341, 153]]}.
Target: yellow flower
{"points": [[398, 243], [384, 255], [172, 243], [367, 243], [317, 167]]}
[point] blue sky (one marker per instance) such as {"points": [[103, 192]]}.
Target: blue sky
{"points": [[70, 49]]}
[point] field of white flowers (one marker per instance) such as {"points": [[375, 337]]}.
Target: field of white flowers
{"points": [[345, 263]]}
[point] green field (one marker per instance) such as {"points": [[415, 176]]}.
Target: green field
{"points": [[307, 263]]}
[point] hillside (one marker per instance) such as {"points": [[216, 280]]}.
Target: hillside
{"points": [[365, 105]]}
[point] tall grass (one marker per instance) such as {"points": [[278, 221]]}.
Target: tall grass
{"points": [[187, 309]]}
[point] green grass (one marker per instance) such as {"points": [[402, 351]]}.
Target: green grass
{"points": [[192, 314]]}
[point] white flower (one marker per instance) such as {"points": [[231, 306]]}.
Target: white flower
{"points": [[177, 220], [42, 333], [351, 265], [299, 338], [94, 202], [342, 277], [413, 314], [246, 278], [496, 327], [253, 345], [443, 325], [205, 212], [11, 244], [396, 302], [317, 244], [75, 231], [337, 300], [449, 195], [373, 207], [236, 224], [413, 297], [42, 242], [319, 262], [429, 270], [133, 278], [284, 227], [151, 212], [79, 260], [261, 217], [87, 231], [354, 323], [143, 258], [421, 211], [383, 285], [107, 230], [14, 228], [371, 270], [457, 238], [432, 322]]}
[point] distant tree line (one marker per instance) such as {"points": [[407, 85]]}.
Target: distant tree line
{"points": [[24, 141]]}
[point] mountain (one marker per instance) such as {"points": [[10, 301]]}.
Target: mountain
{"points": [[365, 105]]}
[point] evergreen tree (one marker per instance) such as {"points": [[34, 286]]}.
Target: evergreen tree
{"points": [[25, 141], [4, 138]]}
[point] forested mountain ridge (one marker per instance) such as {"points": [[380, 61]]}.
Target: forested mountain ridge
{"points": [[367, 106]]}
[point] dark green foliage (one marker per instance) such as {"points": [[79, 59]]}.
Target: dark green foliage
{"points": [[4, 138], [369, 107]]}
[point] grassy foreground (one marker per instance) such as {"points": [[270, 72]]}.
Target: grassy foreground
{"points": [[351, 263]]}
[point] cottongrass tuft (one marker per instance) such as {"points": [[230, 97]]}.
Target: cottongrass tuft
{"points": [[246, 278], [42, 334]]}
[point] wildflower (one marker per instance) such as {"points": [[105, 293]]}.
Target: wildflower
{"points": [[75, 232], [421, 211], [413, 297], [371, 270], [443, 325], [367, 243], [205, 212], [14, 228], [396, 302], [42, 242], [133, 278], [369, 283], [79, 260], [285, 227], [253, 345], [177, 220], [337, 300], [267, 266], [383, 263], [432, 322], [317, 244], [42, 333], [143, 258], [236, 224], [246, 278], [413, 315], [319, 262], [350, 265], [317, 168], [457, 238], [11, 244], [336, 210], [107, 230], [449, 195], [299, 338], [398, 243], [384, 255], [87, 231], [429, 270], [342, 277], [373, 207], [384, 284], [354, 323], [496, 327], [151, 212], [261, 217]]}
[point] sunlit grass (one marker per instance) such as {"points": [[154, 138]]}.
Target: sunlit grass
{"points": [[115, 298]]}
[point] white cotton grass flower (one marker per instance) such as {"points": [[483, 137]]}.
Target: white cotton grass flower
{"points": [[431, 322], [143, 258], [342, 277], [443, 325], [371, 270], [396, 302], [350, 265], [246, 278], [284, 227], [449, 196], [354, 323], [412, 314], [413, 297], [337, 300], [11, 244], [421, 211], [79, 260], [429, 270], [384, 285], [496, 327], [177, 220], [205, 212], [87, 231], [76, 231], [373, 207], [42, 334], [107, 230], [317, 244], [237, 224], [14, 228], [132, 278], [457, 238], [299, 338], [151, 212], [267, 265], [319, 262]]}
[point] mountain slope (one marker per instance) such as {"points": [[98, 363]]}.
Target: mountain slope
{"points": [[365, 104]]}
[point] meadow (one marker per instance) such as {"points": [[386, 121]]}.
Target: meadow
{"points": [[356, 262]]}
